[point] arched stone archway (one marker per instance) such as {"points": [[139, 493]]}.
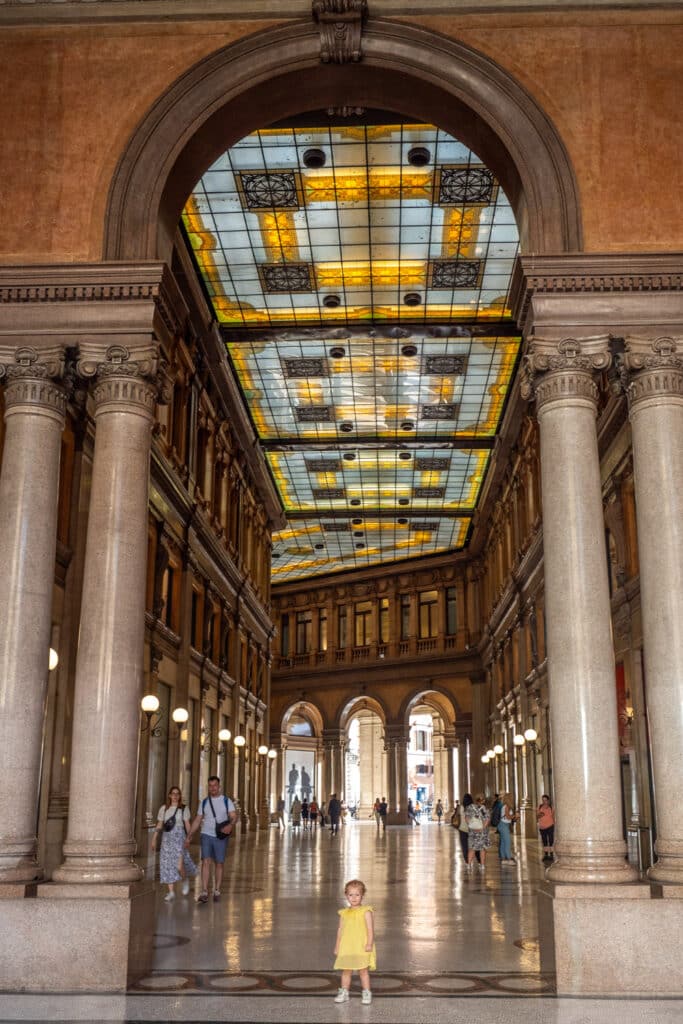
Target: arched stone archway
{"points": [[368, 776], [277, 73], [299, 749], [445, 780]]}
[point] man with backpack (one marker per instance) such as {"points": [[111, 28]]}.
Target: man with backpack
{"points": [[216, 816]]}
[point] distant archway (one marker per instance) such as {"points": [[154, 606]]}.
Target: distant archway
{"points": [[275, 74]]}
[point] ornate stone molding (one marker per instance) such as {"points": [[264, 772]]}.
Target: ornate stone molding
{"points": [[71, 290], [553, 371], [33, 378], [66, 11], [594, 274], [340, 23]]}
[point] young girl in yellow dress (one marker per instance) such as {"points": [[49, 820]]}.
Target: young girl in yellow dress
{"points": [[355, 945]]}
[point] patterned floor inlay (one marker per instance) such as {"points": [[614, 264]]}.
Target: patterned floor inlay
{"points": [[319, 983]]}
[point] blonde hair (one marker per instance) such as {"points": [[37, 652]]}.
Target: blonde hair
{"points": [[508, 800], [355, 883]]}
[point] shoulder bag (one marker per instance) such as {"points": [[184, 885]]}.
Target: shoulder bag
{"points": [[170, 824], [220, 825]]}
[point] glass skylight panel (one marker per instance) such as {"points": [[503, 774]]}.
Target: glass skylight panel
{"points": [[403, 224]]}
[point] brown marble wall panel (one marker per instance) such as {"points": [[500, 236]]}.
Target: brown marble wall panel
{"points": [[610, 81]]}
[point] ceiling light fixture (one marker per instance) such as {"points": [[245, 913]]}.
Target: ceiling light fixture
{"points": [[419, 156], [314, 158]]}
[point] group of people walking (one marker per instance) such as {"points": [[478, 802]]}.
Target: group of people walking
{"points": [[474, 820], [215, 817]]}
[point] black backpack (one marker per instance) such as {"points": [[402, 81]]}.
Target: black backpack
{"points": [[495, 814]]}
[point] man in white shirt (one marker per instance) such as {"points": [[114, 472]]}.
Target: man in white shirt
{"points": [[216, 815]]}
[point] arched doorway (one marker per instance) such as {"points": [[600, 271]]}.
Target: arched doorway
{"points": [[298, 771], [434, 766], [365, 768]]}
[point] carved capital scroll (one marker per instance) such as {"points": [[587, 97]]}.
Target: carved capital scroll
{"points": [[652, 368], [34, 378], [555, 371], [341, 25]]}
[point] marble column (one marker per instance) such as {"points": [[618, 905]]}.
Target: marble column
{"points": [[109, 668], [655, 393], [29, 488], [590, 845]]}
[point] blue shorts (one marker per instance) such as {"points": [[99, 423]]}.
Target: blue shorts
{"points": [[213, 848]]}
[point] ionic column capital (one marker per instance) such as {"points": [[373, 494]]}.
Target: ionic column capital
{"points": [[652, 368], [561, 371], [34, 378]]}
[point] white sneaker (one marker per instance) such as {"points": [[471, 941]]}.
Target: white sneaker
{"points": [[366, 997], [185, 887], [342, 996], [216, 895], [169, 897]]}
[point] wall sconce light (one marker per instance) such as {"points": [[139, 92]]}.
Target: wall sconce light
{"points": [[627, 715], [150, 707], [224, 737], [531, 737], [272, 754], [518, 739], [180, 716], [485, 759], [498, 749], [490, 753], [240, 741], [52, 660]]}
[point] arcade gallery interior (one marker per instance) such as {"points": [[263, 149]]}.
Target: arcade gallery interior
{"points": [[341, 378]]}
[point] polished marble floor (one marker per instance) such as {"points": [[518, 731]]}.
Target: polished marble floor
{"points": [[451, 946]]}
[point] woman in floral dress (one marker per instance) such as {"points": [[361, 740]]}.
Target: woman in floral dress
{"points": [[477, 817], [175, 862]]}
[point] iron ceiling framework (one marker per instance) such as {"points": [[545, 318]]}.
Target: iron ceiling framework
{"points": [[360, 273]]}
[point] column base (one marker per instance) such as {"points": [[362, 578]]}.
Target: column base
{"points": [[668, 867], [602, 863], [77, 938], [99, 862], [97, 871], [607, 940], [397, 817], [20, 871]]}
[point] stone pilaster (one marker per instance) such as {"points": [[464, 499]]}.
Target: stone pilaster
{"points": [[590, 846], [35, 405], [655, 392], [109, 669], [396, 739]]}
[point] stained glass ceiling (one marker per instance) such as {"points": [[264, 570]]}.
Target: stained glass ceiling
{"points": [[360, 274]]}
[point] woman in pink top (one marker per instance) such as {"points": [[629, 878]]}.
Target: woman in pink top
{"points": [[546, 823]]}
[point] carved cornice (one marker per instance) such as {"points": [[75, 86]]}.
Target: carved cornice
{"points": [[88, 11], [340, 23], [593, 274], [555, 371], [148, 287]]}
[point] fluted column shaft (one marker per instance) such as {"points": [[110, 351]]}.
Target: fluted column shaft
{"points": [[109, 668], [29, 482], [590, 846], [656, 411]]}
